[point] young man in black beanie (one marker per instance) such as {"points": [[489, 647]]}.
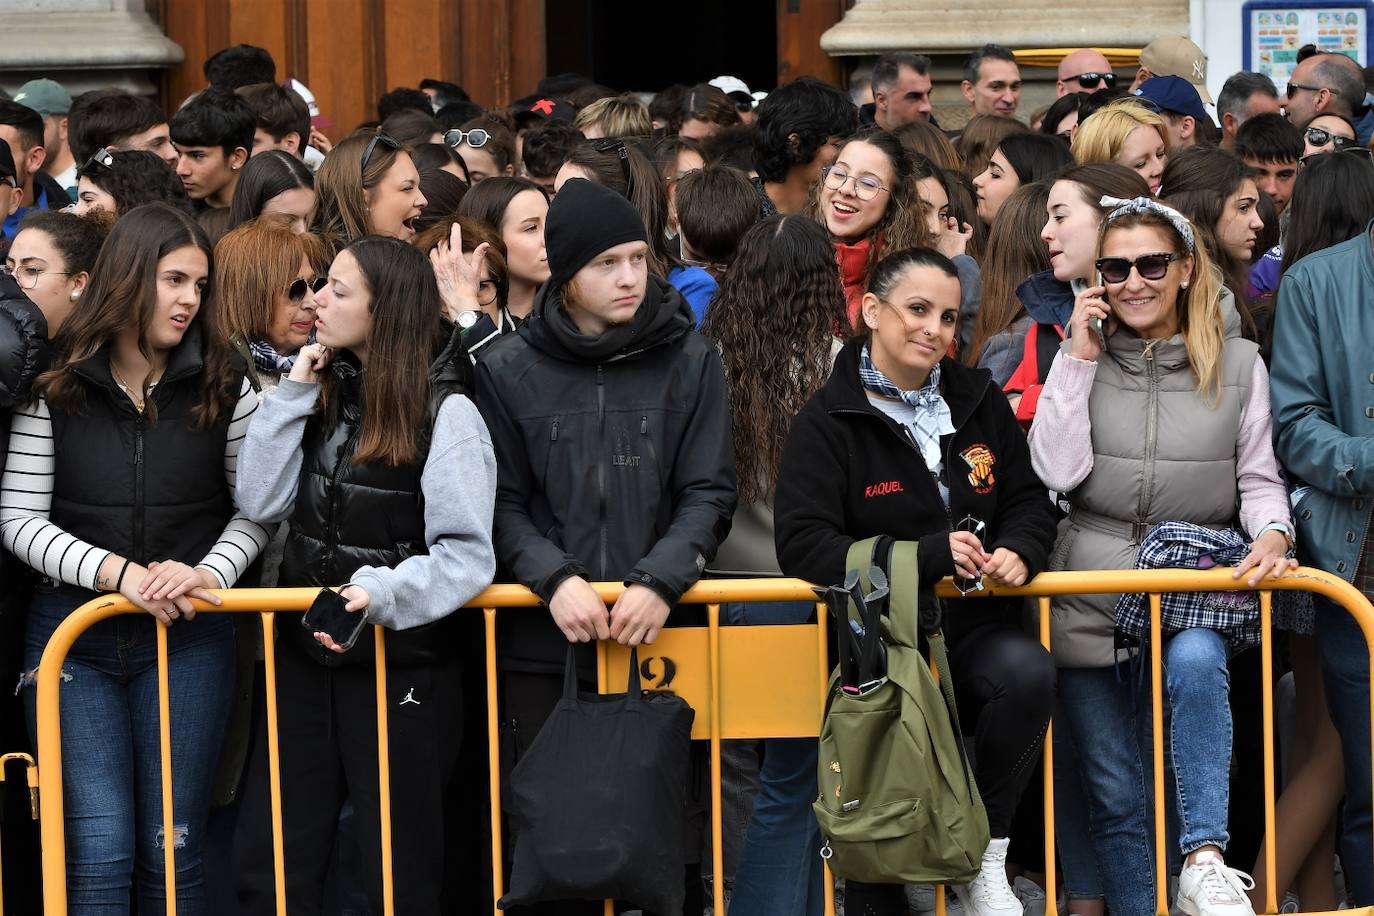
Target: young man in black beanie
{"points": [[609, 419]]}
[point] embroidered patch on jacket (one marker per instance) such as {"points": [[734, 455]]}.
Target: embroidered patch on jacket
{"points": [[885, 488], [980, 460]]}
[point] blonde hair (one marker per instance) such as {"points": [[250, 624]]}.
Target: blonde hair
{"points": [[1101, 136], [619, 116], [1198, 307]]}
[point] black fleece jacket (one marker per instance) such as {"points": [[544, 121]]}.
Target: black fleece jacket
{"points": [[850, 472], [614, 457]]}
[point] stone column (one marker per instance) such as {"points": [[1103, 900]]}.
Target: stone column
{"points": [[83, 44], [947, 30]]}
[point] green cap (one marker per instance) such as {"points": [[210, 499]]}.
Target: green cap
{"points": [[47, 97]]}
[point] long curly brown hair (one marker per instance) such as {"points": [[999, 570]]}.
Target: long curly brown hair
{"points": [[774, 319]]}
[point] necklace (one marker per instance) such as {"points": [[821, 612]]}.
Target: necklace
{"points": [[129, 389]]}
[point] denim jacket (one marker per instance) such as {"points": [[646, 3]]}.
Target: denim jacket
{"points": [[1322, 383]]}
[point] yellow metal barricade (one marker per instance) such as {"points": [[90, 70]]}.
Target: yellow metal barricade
{"points": [[716, 669]]}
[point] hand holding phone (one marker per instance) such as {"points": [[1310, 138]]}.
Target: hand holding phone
{"points": [[1090, 309], [336, 620]]}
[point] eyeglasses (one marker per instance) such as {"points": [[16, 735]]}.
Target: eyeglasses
{"points": [[102, 158], [476, 138], [372, 144], [1363, 152], [1320, 136], [10, 180], [1066, 135], [296, 291], [1149, 266], [1292, 86], [486, 292], [866, 187], [1090, 80], [27, 276], [622, 152]]}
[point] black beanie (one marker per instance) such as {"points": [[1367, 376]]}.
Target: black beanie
{"points": [[584, 220]]}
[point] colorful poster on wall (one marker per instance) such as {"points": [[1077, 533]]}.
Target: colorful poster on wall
{"points": [[1275, 30]]}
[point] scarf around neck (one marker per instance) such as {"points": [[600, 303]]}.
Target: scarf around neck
{"points": [[933, 418], [266, 357]]}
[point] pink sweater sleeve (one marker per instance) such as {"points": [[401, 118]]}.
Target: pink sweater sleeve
{"points": [[1263, 496], [1061, 435]]}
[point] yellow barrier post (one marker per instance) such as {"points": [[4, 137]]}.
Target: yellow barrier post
{"points": [[384, 775], [1267, 699], [269, 665], [1051, 891], [717, 832], [164, 692], [498, 864], [823, 653], [1157, 738], [31, 771]]}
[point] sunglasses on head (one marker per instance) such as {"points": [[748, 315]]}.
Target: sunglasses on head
{"points": [[1149, 266], [296, 291], [476, 138], [617, 146], [372, 145], [1363, 152], [102, 158], [1090, 80]]}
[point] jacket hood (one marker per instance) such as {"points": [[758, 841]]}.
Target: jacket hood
{"points": [[1048, 300], [663, 317], [963, 388]]}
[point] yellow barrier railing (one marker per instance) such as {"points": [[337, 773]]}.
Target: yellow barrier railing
{"points": [[761, 700]]}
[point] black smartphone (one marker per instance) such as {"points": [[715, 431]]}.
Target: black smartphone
{"points": [[327, 615]]}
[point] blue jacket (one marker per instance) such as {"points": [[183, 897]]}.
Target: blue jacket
{"points": [[1322, 384]]}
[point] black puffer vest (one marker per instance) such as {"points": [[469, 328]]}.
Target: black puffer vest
{"points": [[351, 515], [146, 490]]}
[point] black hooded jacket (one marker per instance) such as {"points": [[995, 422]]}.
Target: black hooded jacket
{"points": [[614, 456], [850, 472], [23, 351]]}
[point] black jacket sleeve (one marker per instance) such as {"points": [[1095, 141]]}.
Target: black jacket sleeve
{"points": [[536, 562], [703, 485], [808, 508], [23, 344], [1025, 515]]}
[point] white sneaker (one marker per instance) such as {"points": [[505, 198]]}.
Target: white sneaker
{"points": [[989, 894], [1207, 887]]}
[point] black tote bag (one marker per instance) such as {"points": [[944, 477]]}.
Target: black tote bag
{"points": [[599, 799]]}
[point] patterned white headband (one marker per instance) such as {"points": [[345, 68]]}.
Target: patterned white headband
{"points": [[1122, 207]]}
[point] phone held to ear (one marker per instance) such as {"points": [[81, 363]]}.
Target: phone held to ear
{"points": [[328, 615], [1077, 285]]}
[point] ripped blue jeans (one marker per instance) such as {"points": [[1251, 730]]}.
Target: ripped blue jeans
{"points": [[111, 763]]}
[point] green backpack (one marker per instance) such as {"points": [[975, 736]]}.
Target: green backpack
{"points": [[898, 803]]}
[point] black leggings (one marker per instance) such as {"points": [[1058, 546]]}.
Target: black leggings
{"points": [[1004, 682]]}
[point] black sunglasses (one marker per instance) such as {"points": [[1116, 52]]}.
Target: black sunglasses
{"points": [[617, 146], [1149, 266], [1090, 80], [1292, 86], [296, 291], [372, 145], [476, 138], [102, 158], [1320, 136]]}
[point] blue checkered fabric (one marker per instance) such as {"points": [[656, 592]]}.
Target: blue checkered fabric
{"points": [[1183, 545]]}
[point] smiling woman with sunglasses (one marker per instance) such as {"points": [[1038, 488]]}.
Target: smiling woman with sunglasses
{"points": [[1161, 416], [903, 441], [367, 185]]}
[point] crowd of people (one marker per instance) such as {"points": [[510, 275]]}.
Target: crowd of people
{"points": [[586, 337]]}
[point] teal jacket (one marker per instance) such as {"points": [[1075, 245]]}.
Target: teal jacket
{"points": [[1322, 378]]}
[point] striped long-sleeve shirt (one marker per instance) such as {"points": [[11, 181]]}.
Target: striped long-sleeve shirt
{"points": [[26, 492]]}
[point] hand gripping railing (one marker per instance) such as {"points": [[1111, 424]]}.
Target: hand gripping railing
{"points": [[717, 671]]}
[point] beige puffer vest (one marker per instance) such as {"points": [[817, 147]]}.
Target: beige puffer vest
{"points": [[1160, 453]]}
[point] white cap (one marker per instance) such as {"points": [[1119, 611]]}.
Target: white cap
{"points": [[729, 84]]}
